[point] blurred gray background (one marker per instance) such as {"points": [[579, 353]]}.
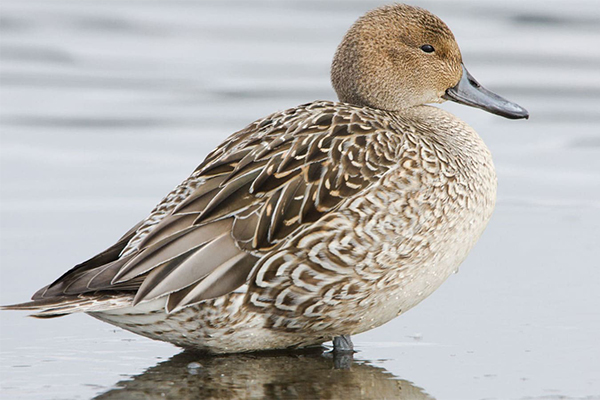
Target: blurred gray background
{"points": [[106, 106]]}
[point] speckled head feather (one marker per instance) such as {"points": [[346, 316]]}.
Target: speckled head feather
{"points": [[380, 62]]}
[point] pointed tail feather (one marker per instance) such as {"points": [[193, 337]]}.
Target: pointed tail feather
{"points": [[64, 305]]}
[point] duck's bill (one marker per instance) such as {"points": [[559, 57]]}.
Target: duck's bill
{"points": [[469, 92]]}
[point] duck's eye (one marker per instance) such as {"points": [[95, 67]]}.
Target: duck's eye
{"points": [[427, 48]]}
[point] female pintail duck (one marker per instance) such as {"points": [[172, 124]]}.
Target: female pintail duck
{"points": [[315, 223]]}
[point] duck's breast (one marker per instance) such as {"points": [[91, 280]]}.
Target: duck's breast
{"points": [[391, 245], [427, 213]]}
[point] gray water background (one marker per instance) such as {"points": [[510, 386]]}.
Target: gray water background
{"points": [[106, 106]]}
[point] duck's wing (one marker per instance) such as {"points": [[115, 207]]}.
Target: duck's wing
{"points": [[261, 186]]}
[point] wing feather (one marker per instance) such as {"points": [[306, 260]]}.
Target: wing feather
{"points": [[175, 245], [230, 274], [107, 256], [260, 187], [199, 264]]}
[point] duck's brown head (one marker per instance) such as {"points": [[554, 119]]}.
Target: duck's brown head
{"points": [[400, 56]]}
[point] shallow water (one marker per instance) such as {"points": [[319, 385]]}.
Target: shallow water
{"points": [[105, 106]]}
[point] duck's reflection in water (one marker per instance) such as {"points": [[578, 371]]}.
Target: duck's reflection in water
{"points": [[306, 375]]}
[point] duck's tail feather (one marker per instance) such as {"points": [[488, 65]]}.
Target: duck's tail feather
{"points": [[65, 305]]}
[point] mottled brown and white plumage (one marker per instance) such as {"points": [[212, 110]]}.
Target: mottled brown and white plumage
{"points": [[326, 219]]}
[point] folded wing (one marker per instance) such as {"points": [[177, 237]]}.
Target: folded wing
{"points": [[261, 186]]}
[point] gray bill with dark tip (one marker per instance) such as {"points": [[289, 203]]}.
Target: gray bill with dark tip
{"points": [[469, 92]]}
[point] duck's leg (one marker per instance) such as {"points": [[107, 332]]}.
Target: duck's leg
{"points": [[343, 352], [343, 344]]}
